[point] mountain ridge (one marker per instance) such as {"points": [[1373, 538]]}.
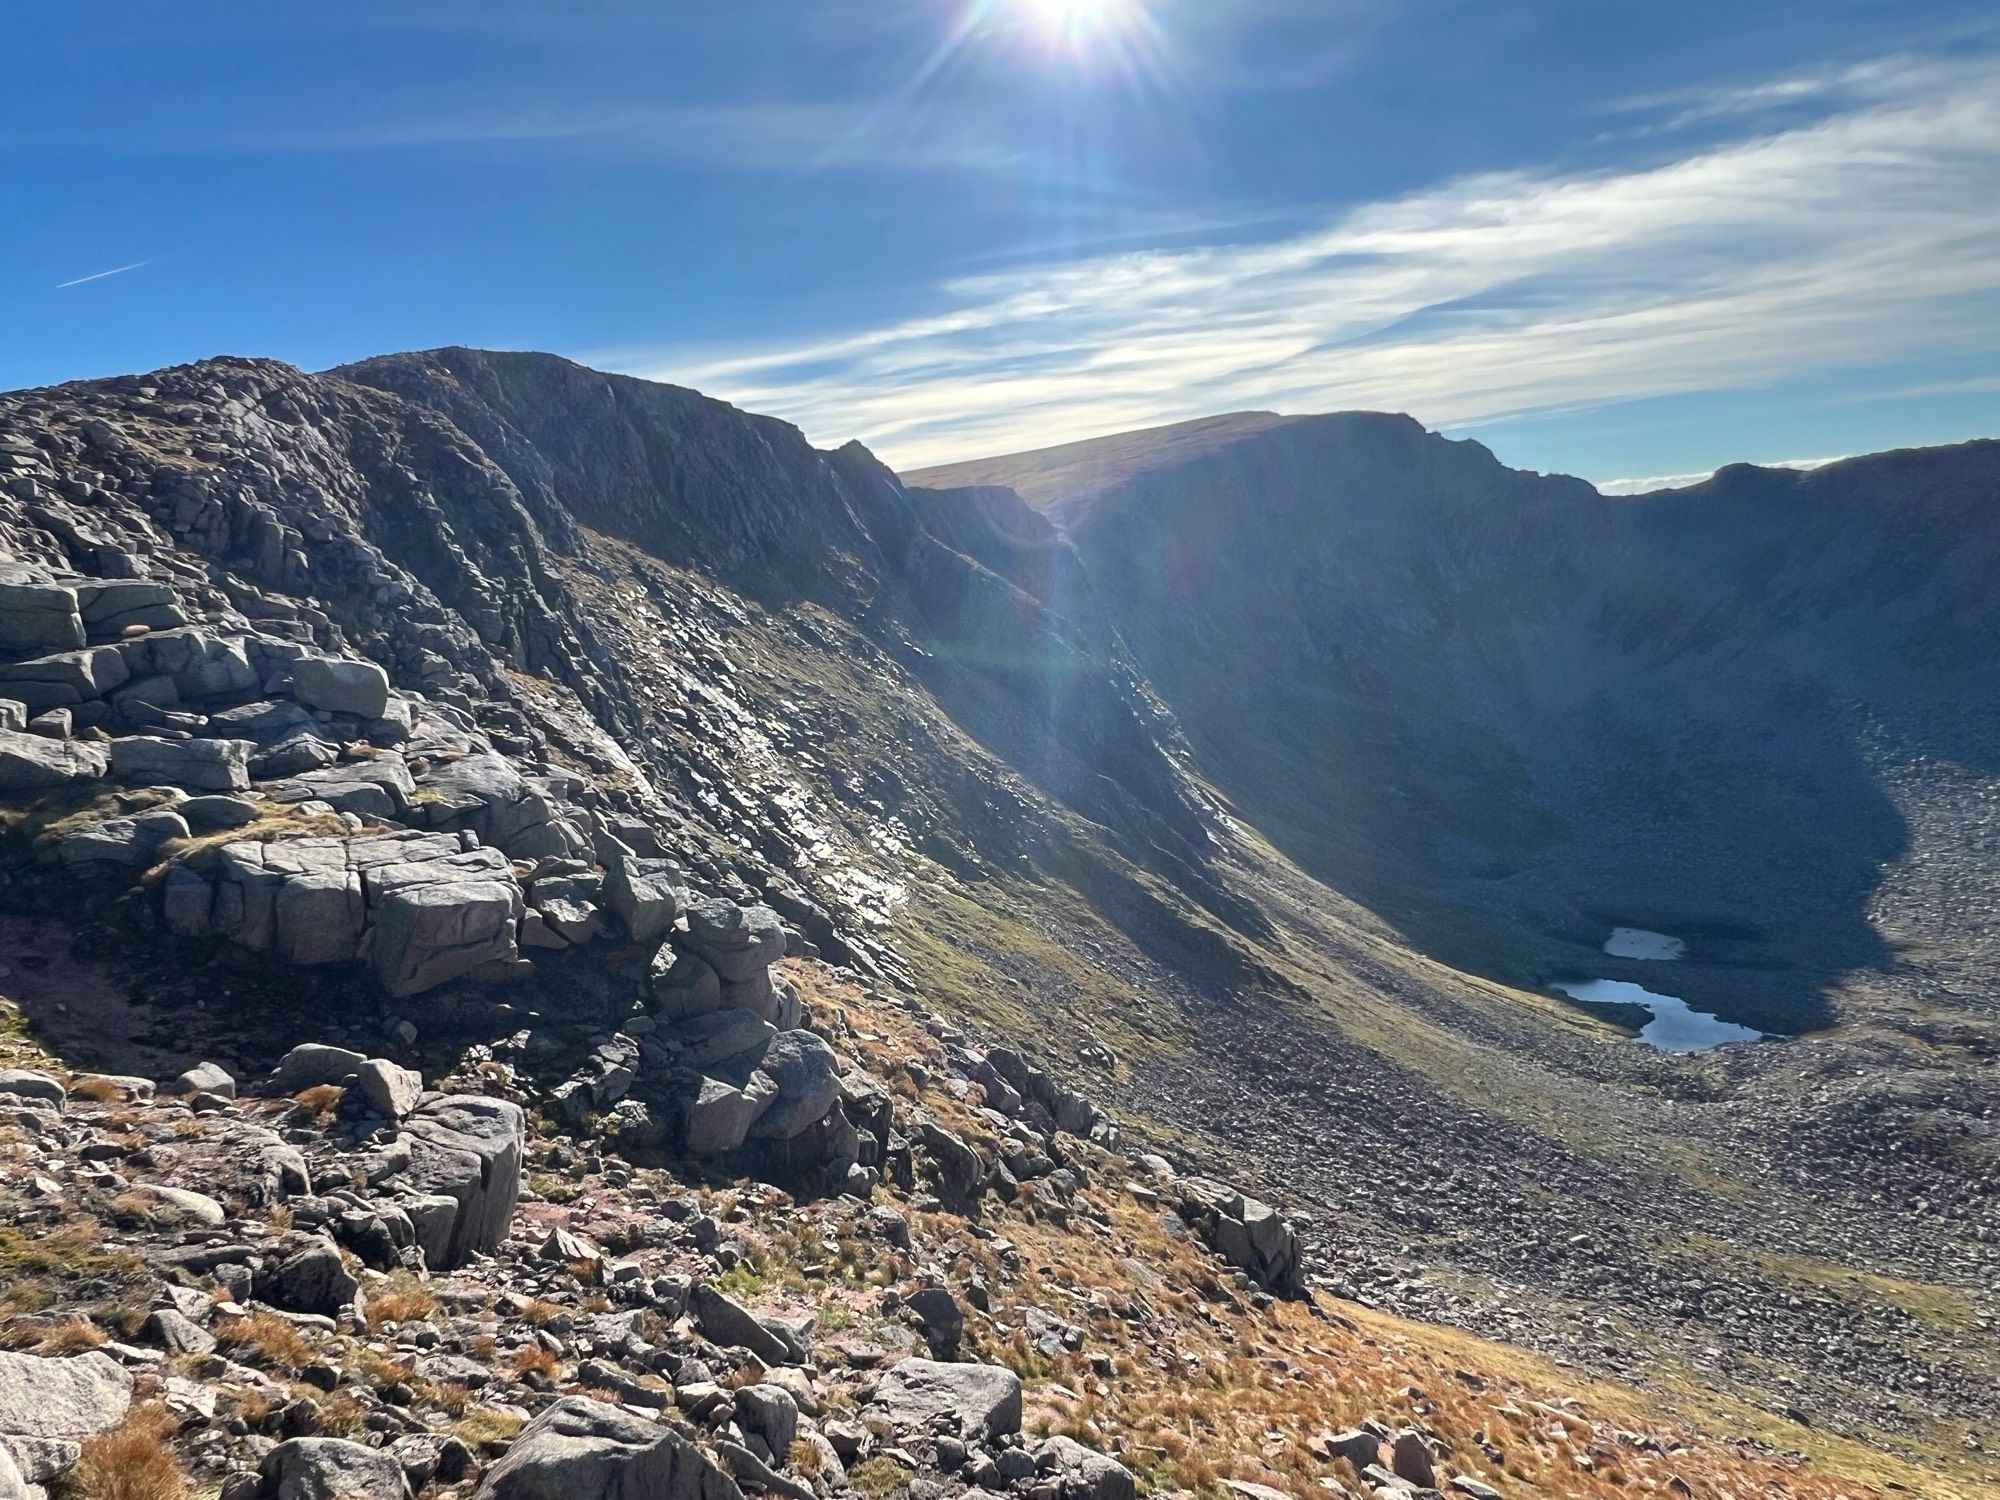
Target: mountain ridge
{"points": [[1112, 796]]}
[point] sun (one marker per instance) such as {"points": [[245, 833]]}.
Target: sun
{"points": [[1080, 23]]}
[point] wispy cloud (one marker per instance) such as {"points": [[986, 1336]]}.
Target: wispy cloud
{"points": [[787, 137], [1682, 481], [100, 275], [1870, 234]]}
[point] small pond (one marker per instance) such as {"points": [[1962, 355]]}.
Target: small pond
{"points": [[1637, 942], [1674, 1027]]}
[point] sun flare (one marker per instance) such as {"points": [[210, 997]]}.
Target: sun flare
{"points": [[1079, 23]]}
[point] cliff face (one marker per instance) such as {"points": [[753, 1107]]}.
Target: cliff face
{"points": [[1502, 708]]}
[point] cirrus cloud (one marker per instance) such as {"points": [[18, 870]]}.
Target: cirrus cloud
{"points": [[1869, 233]]}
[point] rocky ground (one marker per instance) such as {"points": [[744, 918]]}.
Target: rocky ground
{"points": [[330, 1280]]}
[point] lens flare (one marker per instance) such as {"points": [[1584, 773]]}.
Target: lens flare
{"points": [[1081, 25]]}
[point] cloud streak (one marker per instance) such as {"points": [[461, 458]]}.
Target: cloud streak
{"points": [[100, 275], [1866, 235]]}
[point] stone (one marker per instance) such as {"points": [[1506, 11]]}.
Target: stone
{"points": [[312, 1063], [1086, 1473], [980, 1402], [177, 1333], [720, 1115], [752, 1470], [703, 1041], [768, 1412], [122, 843], [941, 1320], [437, 919], [732, 1325], [469, 1149], [359, 688], [33, 763], [737, 941], [807, 1075], [62, 1399], [311, 1281], [214, 812], [184, 1203], [13, 715], [391, 1091], [291, 754], [205, 1078], [319, 1468], [38, 617], [959, 1171], [25, 1083], [68, 677], [1410, 1460], [642, 895], [112, 606], [683, 985], [199, 765], [1359, 1448], [583, 1449]]}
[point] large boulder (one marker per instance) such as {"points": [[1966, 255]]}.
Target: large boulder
{"points": [[49, 1406], [730, 1324], [64, 679], [581, 1449], [978, 1402], [312, 1063], [310, 1280], [391, 1091], [1085, 1473], [199, 765], [642, 893], [438, 911], [807, 1075], [720, 1115], [31, 763], [112, 606], [317, 1468], [1250, 1235], [739, 942], [718, 1037], [26, 1083], [468, 1149], [122, 843], [359, 688], [38, 616], [683, 985]]}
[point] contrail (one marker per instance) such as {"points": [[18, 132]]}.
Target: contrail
{"points": [[100, 275]]}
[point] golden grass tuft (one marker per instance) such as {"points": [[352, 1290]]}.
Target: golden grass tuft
{"points": [[321, 1101], [72, 1336], [130, 1462], [404, 1300], [532, 1357], [271, 1338]]}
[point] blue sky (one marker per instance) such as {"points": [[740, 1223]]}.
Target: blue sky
{"points": [[1628, 240]]}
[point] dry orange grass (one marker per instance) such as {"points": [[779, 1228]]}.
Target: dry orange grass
{"points": [[401, 1302], [533, 1357], [73, 1336], [1205, 1388], [270, 1338], [131, 1462]]}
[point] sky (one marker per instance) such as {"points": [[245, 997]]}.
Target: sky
{"points": [[1616, 238]]}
